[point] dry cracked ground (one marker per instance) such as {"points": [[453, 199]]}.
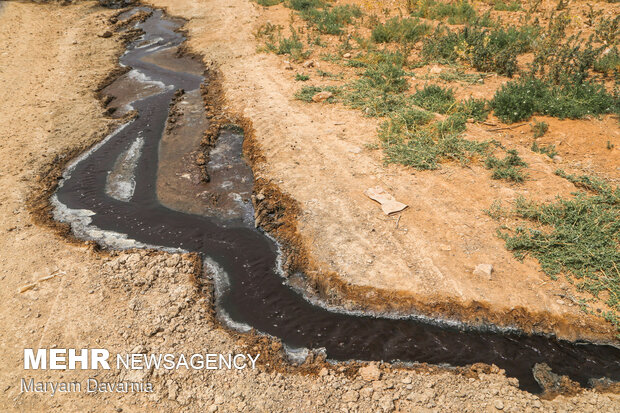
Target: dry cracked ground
{"points": [[51, 59]]}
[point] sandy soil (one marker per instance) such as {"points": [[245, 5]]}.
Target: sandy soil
{"points": [[317, 154], [51, 59]]}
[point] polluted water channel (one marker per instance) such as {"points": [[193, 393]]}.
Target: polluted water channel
{"points": [[111, 194]]}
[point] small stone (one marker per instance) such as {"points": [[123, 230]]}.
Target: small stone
{"points": [[347, 55], [435, 70], [288, 65], [370, 372], [350, 396], [308, 63], [322, 96], [559, 301], [106, 34], [212, 408], [323, 372], [557, 159], [499, 405], [483, 270]]}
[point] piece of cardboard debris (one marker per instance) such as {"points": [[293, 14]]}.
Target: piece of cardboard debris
{"points": [[389, 205]]}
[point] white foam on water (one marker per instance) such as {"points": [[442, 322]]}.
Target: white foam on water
{"points": [[121, 181], [80, 221], [149, 44], [221, 284], [297, 355], [138, 76]]}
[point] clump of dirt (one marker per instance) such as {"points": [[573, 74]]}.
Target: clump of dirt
{"points": [[554, 384]]}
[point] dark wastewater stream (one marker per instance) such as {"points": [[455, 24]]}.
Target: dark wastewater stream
{"points": [[109, 195]]}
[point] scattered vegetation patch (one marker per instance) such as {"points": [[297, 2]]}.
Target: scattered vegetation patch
{"points": [[559, 82], [540, 128], [548, 150], [306, 93], [510, 168], [609, 63], [458, 12], [301, 5], [519, 100], [608, 30], [379, 91], [276, 43], [507, 6], [578, 237], [331, 20], [484, 49], [268, 3], [399, 30], [458, 75], [435, 98], [476, 109], [300, 77], [410, 138]]}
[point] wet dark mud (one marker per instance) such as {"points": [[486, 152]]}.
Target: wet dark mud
{"points": [[121, 194]]}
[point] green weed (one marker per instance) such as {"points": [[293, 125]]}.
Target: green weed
{"points": [[608, 30], [507, 6], [609, 63], [485, 50], [539, 129], [301, 5], [459, 12], [399, 30], [548, 150], [281, 45], [425, 148], [306, 93], [300, 77], [410, 137], [268, 3], [520, 99], [476, 109], [331, 20], [578, 237], [510, 168], [324, 74], [379, 91], [435, 98]]}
